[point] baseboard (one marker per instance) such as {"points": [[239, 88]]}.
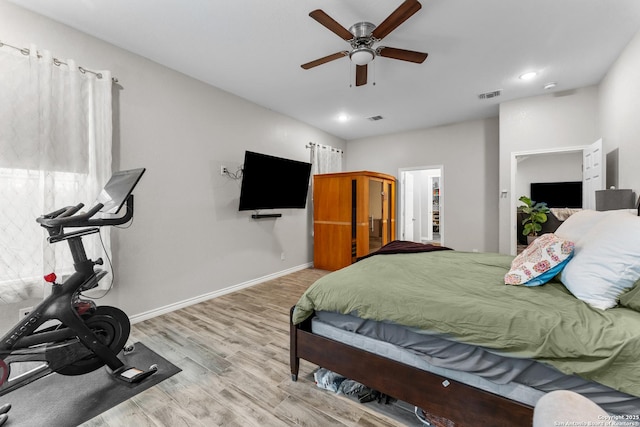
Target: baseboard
{"points": [[185, 303]]}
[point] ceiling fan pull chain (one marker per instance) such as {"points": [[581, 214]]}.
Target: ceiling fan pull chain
{"points": [[374, 73]]}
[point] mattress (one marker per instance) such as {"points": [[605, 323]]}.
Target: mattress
{"points": [[462, 296], [522, 380]]}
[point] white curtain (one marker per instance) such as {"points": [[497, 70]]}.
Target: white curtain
{"points": [[55, 151], [325, 159]]}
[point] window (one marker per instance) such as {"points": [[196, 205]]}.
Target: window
{"points": [[55, 151]]}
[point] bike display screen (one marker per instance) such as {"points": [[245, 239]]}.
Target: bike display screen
{"points": [[116, 191]]}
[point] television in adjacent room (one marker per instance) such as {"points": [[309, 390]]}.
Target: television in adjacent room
{"points": [[270, 182], [558, 194]]}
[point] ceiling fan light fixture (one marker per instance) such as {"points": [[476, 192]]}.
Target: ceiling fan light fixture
{"points": [[362, 36], [362, 55]]}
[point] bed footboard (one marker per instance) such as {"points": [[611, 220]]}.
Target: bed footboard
{"points": [[460, 403]]}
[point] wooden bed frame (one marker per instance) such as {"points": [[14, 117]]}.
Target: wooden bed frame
{"points": [[460, 403]]}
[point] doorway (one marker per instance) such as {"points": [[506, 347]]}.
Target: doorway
{"points": [[582, 163], [421, 204]]}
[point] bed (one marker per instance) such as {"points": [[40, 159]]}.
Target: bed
{"points": [[441, 330]]}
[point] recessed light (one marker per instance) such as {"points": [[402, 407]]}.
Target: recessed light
{"points": [[550, 85], [343, 117], [528, 76]]}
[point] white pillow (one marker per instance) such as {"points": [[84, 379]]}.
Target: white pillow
{"points": [[579, 224], [606, 261]]}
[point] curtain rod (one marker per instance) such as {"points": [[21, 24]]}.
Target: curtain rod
{"points": [[25, 51], [313, 144]]}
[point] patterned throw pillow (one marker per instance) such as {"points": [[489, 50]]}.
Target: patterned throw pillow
{"points": [[540, 262]]}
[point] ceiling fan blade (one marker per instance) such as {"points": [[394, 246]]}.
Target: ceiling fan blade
{"points": [[325, 59], [361, 75], [397, 17], [331, 24], [402, 54]]}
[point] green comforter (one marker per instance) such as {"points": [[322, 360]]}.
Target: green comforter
{"points": [[464, 296]]}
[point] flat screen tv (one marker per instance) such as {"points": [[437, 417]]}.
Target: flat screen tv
{"points": [[270, 182], [558, 194]]}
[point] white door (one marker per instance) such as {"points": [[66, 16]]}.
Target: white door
{"points": [[408, 195], [416, 204], [592, 175]]}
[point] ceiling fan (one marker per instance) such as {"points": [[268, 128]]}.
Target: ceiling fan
{"points": [[363, 35]]}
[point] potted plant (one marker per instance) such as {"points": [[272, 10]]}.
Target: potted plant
{"points": [[536, 215]]}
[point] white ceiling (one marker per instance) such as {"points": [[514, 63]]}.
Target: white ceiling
{"points": [[254, 49]]}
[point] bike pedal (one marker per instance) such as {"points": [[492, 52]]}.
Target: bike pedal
{"points": [[134, 375]]}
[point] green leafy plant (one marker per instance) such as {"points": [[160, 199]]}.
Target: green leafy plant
{"points": [[536, 216]]}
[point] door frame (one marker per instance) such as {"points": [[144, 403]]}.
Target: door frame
{"points": [[407, 183], [400, 204], [513, 247]]}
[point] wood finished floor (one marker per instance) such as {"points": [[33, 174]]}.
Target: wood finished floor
{"points": [[234, 356]]}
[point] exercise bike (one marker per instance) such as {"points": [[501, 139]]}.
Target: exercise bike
{"points": [[67, 333]]}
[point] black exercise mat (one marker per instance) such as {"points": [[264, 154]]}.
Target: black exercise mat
{"points": [[65, 401]]}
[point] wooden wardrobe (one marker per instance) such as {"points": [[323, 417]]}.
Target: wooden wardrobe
{"points": [[354, 214]]}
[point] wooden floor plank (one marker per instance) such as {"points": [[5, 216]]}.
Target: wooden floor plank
{"points": [[124, 415]]}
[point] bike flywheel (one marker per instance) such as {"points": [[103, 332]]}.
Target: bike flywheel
{"points": [[112, 327]]}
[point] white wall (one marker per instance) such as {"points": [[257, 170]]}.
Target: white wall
{"points": [[563, 119], [187, 239], [468, 152], [620, 113]]}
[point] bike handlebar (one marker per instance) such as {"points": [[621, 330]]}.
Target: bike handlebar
{"points": [[71, 210], [68, 217]]}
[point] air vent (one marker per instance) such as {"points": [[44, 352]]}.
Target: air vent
{"points": [[489, 95], [375, 118]]}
